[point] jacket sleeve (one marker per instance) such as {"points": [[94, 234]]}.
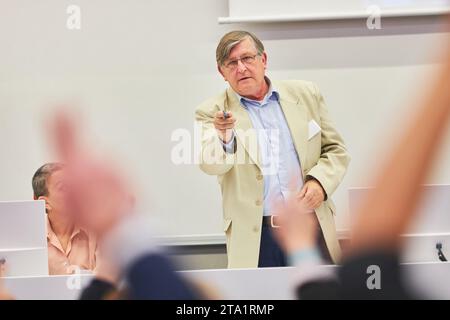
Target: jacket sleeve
{"points": [[153, 276], [98, 289], [214, 160]]}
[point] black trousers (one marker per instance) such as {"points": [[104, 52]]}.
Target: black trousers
{"points": [[271, 254]]}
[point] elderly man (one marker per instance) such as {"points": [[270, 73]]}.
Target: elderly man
{"points": [[69, 247], [270, 139]]}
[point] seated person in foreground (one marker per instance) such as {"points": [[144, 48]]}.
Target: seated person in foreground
{"points": [[70, 248]]}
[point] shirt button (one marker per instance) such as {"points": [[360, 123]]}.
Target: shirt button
{"points": [[258, 202], [255, 228], [259, 177]]}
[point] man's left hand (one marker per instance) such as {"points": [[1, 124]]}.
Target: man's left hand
{"points": [[312, 193]]}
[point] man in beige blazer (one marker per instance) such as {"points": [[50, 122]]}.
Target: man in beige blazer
{"points": [[266, 140]]}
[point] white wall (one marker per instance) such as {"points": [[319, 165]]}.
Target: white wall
{"points": [[137, 70]]}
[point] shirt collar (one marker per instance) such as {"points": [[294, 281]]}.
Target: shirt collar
{"points": [[272, 93], [51, 233]]}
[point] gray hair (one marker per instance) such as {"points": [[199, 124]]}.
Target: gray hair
{"points": [[39, 181], [230, 40]]}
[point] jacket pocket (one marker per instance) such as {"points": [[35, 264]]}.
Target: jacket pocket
{"points": [[226, 224]]}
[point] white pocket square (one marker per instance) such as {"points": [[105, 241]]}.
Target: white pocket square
{"points": [[313, 129]]}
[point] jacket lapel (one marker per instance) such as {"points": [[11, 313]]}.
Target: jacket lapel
{"points": [[297, 119]]}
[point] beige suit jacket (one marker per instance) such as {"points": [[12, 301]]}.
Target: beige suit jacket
{"points": [[323, 157]]}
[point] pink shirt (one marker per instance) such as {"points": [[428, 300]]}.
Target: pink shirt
{"points": [[80, 253]]}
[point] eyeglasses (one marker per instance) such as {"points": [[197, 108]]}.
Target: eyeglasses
{"points": [[246, 60]]}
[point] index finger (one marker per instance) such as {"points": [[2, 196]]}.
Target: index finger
{"points": [[224, 114], [63, 135], [220, 115]]}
